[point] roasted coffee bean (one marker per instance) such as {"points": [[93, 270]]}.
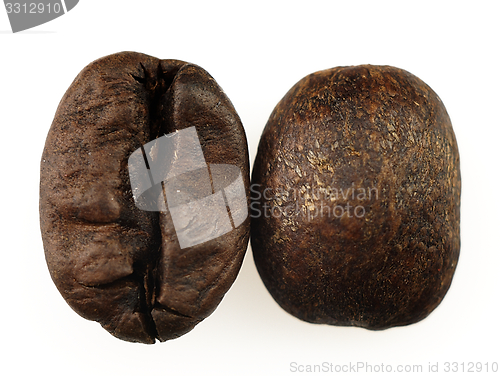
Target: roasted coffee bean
{"points": [[356, 199], [111, 261]]}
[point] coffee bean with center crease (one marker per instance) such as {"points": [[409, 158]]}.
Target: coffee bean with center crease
{"points": [[111, 261], [357, 199]]}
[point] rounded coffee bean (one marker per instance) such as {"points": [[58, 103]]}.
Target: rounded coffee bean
{"points": [[112, 261], [356, 199]]}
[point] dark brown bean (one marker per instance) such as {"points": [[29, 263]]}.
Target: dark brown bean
{"points": [[111, 261], [357, 199]]}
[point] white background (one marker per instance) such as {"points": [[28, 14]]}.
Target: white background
{"points": [[256, 51]]}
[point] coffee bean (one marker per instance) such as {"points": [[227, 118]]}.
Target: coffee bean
{"points": [[356, 199], [117, 263]]}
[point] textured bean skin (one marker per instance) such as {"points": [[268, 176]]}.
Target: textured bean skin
{"points": [[112, 262], [373, 129]]}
